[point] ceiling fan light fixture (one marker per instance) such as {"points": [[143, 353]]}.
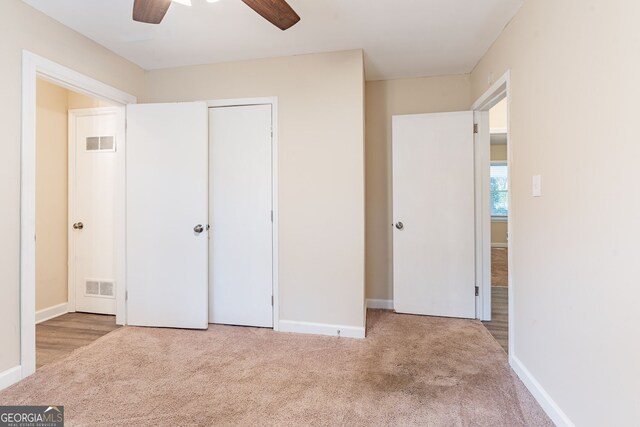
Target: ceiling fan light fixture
{"points": [[213, 1], [183, 2]]}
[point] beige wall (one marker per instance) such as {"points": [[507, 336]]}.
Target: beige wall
{"points": [[575, 249], [321, 176], [51, 195], [78, 101], [383, 100], [499, 233], [25, 28], [499, 152], [498, 116]]}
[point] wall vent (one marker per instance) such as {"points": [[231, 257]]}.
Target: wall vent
{"points": [[92, 288], [101, 143], [96, 288]]}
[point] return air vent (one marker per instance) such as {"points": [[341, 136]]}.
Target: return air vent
{"points": [[95, 288], [101, 143]]}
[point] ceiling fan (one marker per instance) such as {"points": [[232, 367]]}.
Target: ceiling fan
{"points": [[278, 12]]}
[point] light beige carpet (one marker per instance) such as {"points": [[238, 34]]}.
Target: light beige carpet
{"points": [[411, 370], [499, 267]]}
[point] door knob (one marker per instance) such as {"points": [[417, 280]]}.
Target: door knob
{"points": [[198, 228], [78, 226], [399, 225]]}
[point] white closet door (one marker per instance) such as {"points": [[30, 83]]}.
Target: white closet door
{"points": [[167, 202], [241, 249], [433, 211], [92, 181]]}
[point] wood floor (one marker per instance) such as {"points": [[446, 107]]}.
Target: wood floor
{"points": [[499, 325], [58, 337], [499, 267]]}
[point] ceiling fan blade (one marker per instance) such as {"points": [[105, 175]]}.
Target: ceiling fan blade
{"points": [[150, 11], [278, 12]]}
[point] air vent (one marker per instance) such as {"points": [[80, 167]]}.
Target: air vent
{"points": [[93, 143], [95, 288], [101, 143], [92, 288], [106, 289]]}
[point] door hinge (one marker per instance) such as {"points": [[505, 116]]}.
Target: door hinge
{"points": [[477, 290], [271, 300], [126, 295], [475, 128], [271, 216]]}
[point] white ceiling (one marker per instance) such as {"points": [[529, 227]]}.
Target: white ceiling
{"points": [[401, 38]]}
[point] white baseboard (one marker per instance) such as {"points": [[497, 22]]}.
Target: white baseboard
{"points": [[10, 377], [499, 245], [549, 406], [51, 312], [321, 329], [385, 304]]}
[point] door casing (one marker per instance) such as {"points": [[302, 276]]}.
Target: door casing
{"points": [[499, 90], [34, 67]]}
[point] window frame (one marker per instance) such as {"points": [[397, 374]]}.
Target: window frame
{"points": [[500, 217]]}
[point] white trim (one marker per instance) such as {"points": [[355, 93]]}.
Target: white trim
{"points": [[499, 245], [384, 304], [498, 131], [10, 377], [34, 66], [321, 329], [496, 93], [273, 101], [499, 219], [51, 312], [540, 394]]}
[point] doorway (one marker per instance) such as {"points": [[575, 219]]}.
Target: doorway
{"points": [[74, 216], [36, 67], [499, 209], [494, 216]]}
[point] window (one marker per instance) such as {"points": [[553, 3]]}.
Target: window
{"points": [[499, 190]]}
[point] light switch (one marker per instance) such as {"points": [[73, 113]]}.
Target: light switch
{"points": [[537, 186]]}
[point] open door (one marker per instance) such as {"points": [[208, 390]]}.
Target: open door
{"points": [[434, 215], [167, 203]]}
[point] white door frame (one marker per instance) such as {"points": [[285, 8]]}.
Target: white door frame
{"points": [[497, 92], [33, 67], [273, 101], [120, 162]]}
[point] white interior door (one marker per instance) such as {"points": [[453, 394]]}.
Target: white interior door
{"points": [[167, 202], [241, 251], [433, 211], [92, 184]]}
